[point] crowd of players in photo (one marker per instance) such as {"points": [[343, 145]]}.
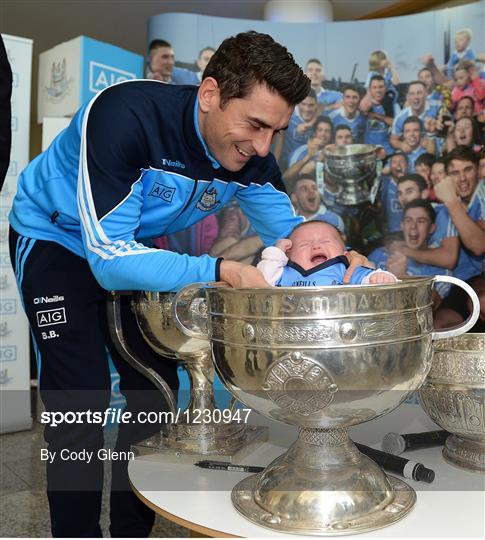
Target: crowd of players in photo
{"points": [[428, 215]]}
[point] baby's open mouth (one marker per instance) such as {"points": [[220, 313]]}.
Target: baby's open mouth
{"points": [[318, 259]]}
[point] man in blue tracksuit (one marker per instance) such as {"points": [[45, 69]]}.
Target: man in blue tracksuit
{"points": [[140, 160]]}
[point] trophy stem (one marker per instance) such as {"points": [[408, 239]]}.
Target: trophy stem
{"points": [[201, 376]]}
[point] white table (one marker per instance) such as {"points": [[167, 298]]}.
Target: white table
{"points": [[199, 499]]}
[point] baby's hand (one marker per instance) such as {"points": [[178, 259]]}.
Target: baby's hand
{"points": [[284, 244], [382, 277]]}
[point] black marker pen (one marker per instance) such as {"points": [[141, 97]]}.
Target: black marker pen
{"points": [[227, 466]]}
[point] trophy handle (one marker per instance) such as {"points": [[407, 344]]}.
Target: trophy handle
{"points": [[118, 339], [189, 309], [472, 319]]}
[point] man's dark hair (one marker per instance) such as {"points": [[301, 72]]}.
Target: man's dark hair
{"points": [[416, 178], [377, 78], [252, 58], [416, 82], [354, 88], [157, 44], [398, 153], [311, 94], [421, 203], [425, 69], [470, 98], [461, 153], [413, 120], [323, 120], [342, 127], [300, 179], [425, 159], [205, 49]]}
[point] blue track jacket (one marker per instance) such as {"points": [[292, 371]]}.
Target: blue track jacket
{"points": [[132, 165]]}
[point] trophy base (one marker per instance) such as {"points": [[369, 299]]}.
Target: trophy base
{"points": [[245, 501], [184, 443], [322, 485], [465, 453]]}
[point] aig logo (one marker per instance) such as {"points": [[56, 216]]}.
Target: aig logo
{"points": [[49, 317], [162, 192], [8, 306], [8, 353], [101, 76]]}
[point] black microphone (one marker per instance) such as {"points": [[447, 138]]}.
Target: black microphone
{"points": [[404, 467], [397, 444]]}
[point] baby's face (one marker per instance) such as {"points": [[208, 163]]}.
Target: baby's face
{"points": [[314, 244]]}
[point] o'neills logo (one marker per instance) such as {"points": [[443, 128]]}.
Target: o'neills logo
{"points": [[48, 299], [176, 164]]}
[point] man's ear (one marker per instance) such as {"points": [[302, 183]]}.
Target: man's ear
{"points": [[425, 193], [208, 94], [432, 229]]}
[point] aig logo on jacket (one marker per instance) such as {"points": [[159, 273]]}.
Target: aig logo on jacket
{"points": [[208, 201], [163, 192]]}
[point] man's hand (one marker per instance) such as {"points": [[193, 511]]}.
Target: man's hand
{"points": [[446, 191], [397, 264], [241, 275], [303, 127], [355, 260], [313, 145], [284, 244]]}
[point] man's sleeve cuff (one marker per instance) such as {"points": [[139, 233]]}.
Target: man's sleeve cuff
{"points": [[218, 268]]}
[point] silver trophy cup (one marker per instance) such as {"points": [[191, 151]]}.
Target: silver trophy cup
{"points": [[354, 168], [197, 431], [454, 397], [327, 358]]}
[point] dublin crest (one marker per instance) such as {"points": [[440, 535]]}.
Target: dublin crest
{"points": [[208, 201]]}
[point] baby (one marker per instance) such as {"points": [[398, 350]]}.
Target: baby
{"points": [[314, 254]]}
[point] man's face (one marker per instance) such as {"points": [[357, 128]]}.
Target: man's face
{"points": [[315, 73], [417, 228], [461, 42], [408, 191], [204, 58], [411, 134], [377, 90], [465, 177], [245, 127], [464, 109], [307, 108], [426, 77], [437, 173], [306, 197], [464, 132], [481, 169], [314, 244], [424, 170], [351, 101], [162, 61], [343, 137], [323, 133], [399, 166], [416, 97]]}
